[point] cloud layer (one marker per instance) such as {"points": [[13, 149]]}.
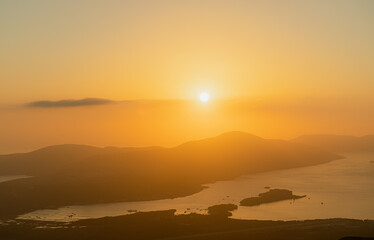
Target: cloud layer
{"points": [[70, 103]]}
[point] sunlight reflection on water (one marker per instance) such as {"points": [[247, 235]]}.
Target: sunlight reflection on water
{"points": [[339, 189], [12, 177]]}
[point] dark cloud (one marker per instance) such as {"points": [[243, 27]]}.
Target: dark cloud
{"points": [[70, 103]]}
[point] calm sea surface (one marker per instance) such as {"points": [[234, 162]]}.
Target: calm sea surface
{"points": [[12, 177], [339, 189]]}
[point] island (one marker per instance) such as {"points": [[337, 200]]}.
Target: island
{"points": [[223, 210], [273, 195]]}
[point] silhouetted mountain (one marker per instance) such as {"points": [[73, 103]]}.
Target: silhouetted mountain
{"points": [[339, 144], [71, 174], [53, 158]]}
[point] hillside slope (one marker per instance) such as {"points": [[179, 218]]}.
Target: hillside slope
{"points": [[69, 174]]}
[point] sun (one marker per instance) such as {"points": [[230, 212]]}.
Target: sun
{"points": [[204, 97]]}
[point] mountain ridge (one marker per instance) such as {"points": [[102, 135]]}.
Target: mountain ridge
{"points": [[90, 175], [338, 143]]}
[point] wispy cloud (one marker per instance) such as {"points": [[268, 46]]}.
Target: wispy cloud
{"points": [[70, 103]]}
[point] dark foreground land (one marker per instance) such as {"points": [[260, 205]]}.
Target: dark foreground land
{"points": [[166, 225]]}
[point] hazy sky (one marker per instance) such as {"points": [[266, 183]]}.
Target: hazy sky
{"points": [[278, 52], [173, 49]]}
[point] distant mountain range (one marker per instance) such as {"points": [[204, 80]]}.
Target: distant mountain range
{"points": [[75, 174], [339, 144]]}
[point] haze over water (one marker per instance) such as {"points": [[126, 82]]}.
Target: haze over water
{"points": [[338, 189]]}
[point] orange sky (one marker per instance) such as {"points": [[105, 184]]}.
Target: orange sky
{"points": [[168, 123], [273, 68]]}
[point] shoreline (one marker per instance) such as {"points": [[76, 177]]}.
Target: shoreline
{"points": [[166, 225]]}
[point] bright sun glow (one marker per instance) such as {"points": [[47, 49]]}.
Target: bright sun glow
{"points": [[204, 97]]}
